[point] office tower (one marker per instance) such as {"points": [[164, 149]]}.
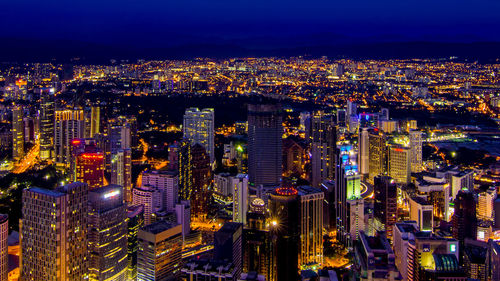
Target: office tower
{"points": [[198, 128], [108, 243], [228, 244], [54, 233], [351, 108], [17, 133], [363, 153], [46, 125], [485, 204], [151, 198], [69, 125], [493, 260], [311, 227], [349, 206], [135, 216], [474, 260], [285, 231], [385, 205], [463, 180], [323, 145], [240, 198], [341, 118], [117, 142], [375, 258], [167, 182], [95, 121], [402, 240], [409, 125], [4, 253], [121, 171], [377, 153], [416, 151], [173, 156], [87, 162], [185, 171], [258, 253], [384, 114], [200, 195], [183, 214], [305, 123], [265, 130], [464, 221], [295, 156], [422, 211], [222, 184], [160, 251], [399, 164]]}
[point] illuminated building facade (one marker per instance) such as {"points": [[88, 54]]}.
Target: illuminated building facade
{"points": [[385, 205], [240, 197], [108, 234], [422, 211], [198, 128], [95, 121], [374, 258], [228, 245], [151, 198], [399, 164], [46, 125], [160, 251], [363, 152], [416, 151], [486, 203], [377, 152], [201, 171], [135, 216], [17, 133], [167, 182], [185, 158], [284, 207], [121, 171], [311, 227], [464, 218], [89, 166], [265, 130], [4, 255], [69, 125], [323, 147], [54, 233]]}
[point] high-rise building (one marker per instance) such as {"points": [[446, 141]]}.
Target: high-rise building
{"points": [[4, 251], [363, 152], [348, 206], [160, 251], [198, 128], [486, 203], [285, 231], [87, 163], [416, 151], [151, 198], [135, 216], [240, 198], [377, 153], [17, 133], [403, 237], [265, 130], [323, 147], [167, 182], [201, 170], [375, 258], [183, 214], [385, 205], [399, 164], [108, 243], [464, 180], [422, 211], [54, 233], [95, 121], [121, 171], [464, 218], [69, 125], [311, 227], [46, 125], [228, 245], [185, 165]]}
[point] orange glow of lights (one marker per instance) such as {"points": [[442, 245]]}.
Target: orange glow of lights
{"points": [[286, 191]]}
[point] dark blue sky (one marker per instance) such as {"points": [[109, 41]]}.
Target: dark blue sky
{"points": [[168, 22]]}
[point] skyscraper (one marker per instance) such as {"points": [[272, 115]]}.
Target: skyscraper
{"points": [[416, 151], [167, 182], [464, 218], [160, 251], [54, 233], [95, 121], [121, 171], [185, 165], [108, 244], [228, 244], [311, 227], [485, 204], [240, 197], [265, 130], [4, 251], [377, 152], [198, 128], [322, 148], [363, 152], [399, 164], [385, 205], [285, 231], [201, 170], [135, 216], [374, 257], [17, 133], [87, 162], [150, 197], [46, 125], [69, 125]]}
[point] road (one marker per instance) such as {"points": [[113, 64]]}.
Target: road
{"points": [[28, 160]]}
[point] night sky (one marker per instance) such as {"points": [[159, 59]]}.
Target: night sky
{"points": [[177, 22]]}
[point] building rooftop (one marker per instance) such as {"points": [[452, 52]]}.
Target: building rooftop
{"points": [[158, 227], [48, 192]]}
